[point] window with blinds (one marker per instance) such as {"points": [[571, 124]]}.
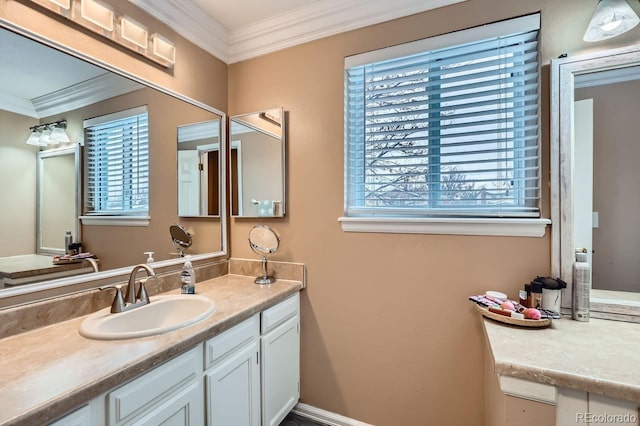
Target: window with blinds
{"points": [[117, 163], [446, 126]]}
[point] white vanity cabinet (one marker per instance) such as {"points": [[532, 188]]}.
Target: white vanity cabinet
{"points": [[280, 351], [248, 375], [170, 394], [252, 371], [232, 375]]}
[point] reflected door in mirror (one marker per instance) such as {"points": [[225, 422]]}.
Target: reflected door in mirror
{"points": [[257, 163]]}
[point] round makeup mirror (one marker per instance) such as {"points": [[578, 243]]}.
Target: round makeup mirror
{"points": [[180, 237], [264, 241]]}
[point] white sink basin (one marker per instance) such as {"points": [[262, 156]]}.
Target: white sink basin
{"points": [[163, 314]]}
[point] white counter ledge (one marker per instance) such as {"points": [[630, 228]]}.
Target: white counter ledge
{"points": [[599, 356], [48, 371]]}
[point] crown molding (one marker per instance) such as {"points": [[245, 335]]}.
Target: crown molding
{"points": [[17, 105], [302, 25], [319, 20], [88, 92]]}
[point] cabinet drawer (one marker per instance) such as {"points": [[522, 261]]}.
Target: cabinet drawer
{"points": [[279, 313], [153, 388], [222, 345]]}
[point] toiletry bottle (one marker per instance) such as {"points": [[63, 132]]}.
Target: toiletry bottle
{"points": [[68, 240], [581, 286], [149, 256], [188, 278], [536, 295]]}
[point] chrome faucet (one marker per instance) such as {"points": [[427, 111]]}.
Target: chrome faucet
{"points": [[132, 299]]}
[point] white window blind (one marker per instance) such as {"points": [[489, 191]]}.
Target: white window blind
{"points": [[117, 163], [446, 132]]}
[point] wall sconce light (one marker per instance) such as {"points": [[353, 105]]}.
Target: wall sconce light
{"points": [[48, 134], [611, 18], [58, 6], [95, 15], [163, 49], [100, 18], [133, 32]]}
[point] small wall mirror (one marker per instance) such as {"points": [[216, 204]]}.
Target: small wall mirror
{"points": [[58, 202], [257, 164], [198, 169], [593, 163]]}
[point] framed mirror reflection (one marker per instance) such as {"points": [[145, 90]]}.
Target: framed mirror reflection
{"points": [[595, 99], [40, 84], [257, 163]]}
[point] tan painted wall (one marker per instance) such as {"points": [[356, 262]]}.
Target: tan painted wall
{"points": [[616, 242], [388, 337]]}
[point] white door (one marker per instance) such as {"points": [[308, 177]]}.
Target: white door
{"points": [[583, 176], [188, 183]]}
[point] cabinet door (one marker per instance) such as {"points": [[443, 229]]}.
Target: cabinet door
{"points": [[280, 351], [233, 389]]}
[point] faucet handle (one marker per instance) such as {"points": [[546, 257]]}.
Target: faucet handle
{"points": [[118, 300], [142, 295]]}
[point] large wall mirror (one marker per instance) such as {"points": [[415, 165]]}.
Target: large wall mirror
{"points": [[257, 163], [595, 201], [44, 185]]}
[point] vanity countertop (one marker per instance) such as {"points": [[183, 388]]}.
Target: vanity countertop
{"points": [[49, 371], [598, 356]]}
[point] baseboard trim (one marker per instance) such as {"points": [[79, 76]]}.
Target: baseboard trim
{"points": [[324, 416]]}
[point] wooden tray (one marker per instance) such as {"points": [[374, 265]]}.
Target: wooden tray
{"points": [[541, 323]]}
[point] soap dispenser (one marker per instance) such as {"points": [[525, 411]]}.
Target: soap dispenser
{"points": [[188, 278], [149, 256]]}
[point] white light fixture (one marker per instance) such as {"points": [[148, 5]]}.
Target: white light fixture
{"points": [[49, 134], [97, 13], [58, 6], [611, 18], [133, 32], [163, 49], [34, 138], [45, 137], [58, 135], [65, 4]]}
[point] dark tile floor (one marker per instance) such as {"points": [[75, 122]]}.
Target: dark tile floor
{"points": [[295, 420]]}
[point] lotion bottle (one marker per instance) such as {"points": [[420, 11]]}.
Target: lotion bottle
{"points": [[581, 286], [188, 278]]}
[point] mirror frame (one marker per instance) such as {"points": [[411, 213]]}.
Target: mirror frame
{"points": [[563, 73], [20, 295], [40, 213], [283, 156]]}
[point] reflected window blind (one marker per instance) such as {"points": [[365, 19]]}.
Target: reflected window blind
{"points": [[117, 163], [449, 131]]}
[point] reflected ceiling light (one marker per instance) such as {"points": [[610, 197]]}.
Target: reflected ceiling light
{"points": [[48, 134], [163, 49], [97, 13], [134, 32], [34, 138], [45, 137], [58, 135], [611, 18]]}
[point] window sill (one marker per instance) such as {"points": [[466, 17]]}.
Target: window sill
{"points": [[115, 220], [451, 226]]}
